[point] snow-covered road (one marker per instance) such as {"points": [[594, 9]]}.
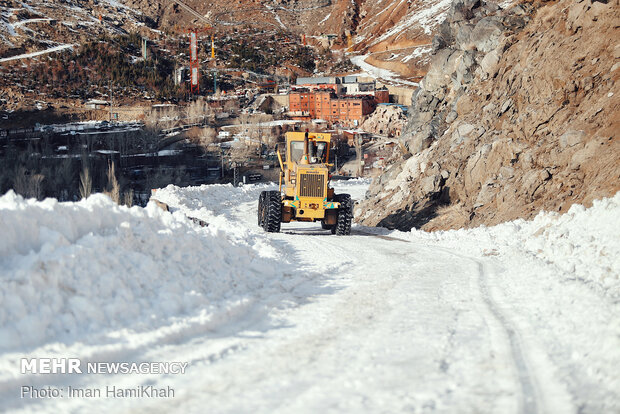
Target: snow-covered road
{"points": [[483, 320], [39, 53]]}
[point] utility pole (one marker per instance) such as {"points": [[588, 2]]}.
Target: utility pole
{"points": [[144, 49]]}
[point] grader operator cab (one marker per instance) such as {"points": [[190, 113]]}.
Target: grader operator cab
{"points": [[305, 194]]}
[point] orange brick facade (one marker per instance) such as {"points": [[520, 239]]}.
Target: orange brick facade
{"points": [[325, 105]]}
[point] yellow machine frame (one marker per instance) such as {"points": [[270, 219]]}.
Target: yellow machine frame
{"points": [[304, 182]]}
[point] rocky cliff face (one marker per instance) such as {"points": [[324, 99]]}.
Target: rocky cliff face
{"points": [[519, 112], [385, 120]]}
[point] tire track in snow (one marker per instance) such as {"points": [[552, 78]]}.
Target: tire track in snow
{"points": [[530, 366], [512, 351], [528, 389]]}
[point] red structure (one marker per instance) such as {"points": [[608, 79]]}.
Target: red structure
{"points": [[349, 110], [194, 65], [382, 96]]}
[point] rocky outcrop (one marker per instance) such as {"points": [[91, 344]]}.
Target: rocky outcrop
{"points": [[388, 120], [519, 112]]}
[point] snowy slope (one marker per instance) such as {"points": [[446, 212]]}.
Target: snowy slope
{"points": [[521, 317], [393, 39], [42, 27]]}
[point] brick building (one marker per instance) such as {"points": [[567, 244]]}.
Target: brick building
{"points": [[335, 99], [323, 104]]}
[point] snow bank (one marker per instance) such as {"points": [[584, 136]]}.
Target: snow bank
{"points": [[85, 271], [583, 244]]}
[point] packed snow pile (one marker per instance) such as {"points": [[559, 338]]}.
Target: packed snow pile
{"points": [[84, 271], [583, 244]]}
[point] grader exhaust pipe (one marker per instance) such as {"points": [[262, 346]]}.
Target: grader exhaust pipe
{"points": [[304, 158], [309, 150]]}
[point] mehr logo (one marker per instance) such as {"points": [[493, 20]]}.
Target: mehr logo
{"points": [[50, 366]]}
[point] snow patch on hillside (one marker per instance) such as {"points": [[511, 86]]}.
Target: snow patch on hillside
{"points": [[419, 52], [39, 53], [427, 16], [378, 73], [28, 21]]}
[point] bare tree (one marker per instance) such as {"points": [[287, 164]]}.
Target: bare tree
{"points": [[198, 111], [202, 136], [163, 117], [208, 137], [28, 185], [128, 197], [241, 153], [231, 106], [86, 183], [113, 190], [62, 179], [244, 121]]}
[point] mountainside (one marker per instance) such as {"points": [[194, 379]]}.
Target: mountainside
{"points": [[295, 16], [519, 112], [35, 25], [390, 34], [32, 25]]}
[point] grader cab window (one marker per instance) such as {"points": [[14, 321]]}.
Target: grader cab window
{"points": [[297, 150], [316, 151], [320, 152]]}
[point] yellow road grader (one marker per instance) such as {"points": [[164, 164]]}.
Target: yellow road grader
{"points": [[305, 193]]}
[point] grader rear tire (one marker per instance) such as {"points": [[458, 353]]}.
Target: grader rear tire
{"points": [[272, 205], [345, 215]]}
